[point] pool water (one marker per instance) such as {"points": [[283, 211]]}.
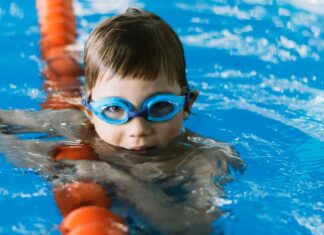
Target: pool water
{"points": [[259, 67]]}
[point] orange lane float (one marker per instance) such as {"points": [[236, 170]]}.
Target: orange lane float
{"points": [[56, 39], [58, 21], [71, 196], [63, 66], [81, 151], [61, 71], [58, 100], [58, 31], [85, 216], [42, 5], [62, 62], [96, 229], [57, 52], [82, 204]]}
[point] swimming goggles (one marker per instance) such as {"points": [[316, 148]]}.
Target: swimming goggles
{"points": [[156, 108]]}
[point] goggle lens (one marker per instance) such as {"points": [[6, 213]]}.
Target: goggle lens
{"points": [[161, 108], [115, 112]]}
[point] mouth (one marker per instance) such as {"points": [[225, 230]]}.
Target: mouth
{"points": [[142, 149], [139, 148]]}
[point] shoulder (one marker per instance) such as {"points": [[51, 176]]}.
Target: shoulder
{"points": [[204, 149]]}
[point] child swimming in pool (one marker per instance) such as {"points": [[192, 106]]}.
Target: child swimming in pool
{"points": [[136, 99], [137, 95]]}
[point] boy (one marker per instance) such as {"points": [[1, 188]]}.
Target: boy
{"points": [[137, 97], [136, 87]]}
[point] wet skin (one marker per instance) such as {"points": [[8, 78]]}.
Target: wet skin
{"points": [[143, 181]]}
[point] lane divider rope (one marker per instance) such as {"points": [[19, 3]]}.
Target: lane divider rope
{"points": [[83, 205]]}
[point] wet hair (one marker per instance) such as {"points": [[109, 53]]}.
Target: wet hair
{"points": [[136, 45]]}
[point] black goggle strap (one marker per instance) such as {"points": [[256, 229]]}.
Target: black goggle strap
{"points": [[189, 94], [85, 102]]}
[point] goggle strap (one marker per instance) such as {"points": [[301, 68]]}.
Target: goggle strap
{"points": [[189, 95], [85, 103]]}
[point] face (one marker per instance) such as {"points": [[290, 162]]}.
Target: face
{"points": [[138, 133]]}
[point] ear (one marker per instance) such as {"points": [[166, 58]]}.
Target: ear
{"points": [[189, 103]]}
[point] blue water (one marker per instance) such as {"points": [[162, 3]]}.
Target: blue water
{"points": [[259, 67]]}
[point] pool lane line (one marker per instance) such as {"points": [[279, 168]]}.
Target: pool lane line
{"points": [[58, 31], [83, 205]]}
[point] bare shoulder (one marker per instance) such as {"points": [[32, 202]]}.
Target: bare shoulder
{"points": [[205, 150]]}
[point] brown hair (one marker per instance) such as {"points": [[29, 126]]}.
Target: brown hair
{"points": [[136, 44]]}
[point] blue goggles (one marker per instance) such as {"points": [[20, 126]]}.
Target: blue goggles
{"points": [[156, 108]]}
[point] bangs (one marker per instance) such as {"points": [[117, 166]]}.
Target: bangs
{"points": [[141, 52]]}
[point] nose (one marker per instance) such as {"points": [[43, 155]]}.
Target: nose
{"points": [[139, 127]]}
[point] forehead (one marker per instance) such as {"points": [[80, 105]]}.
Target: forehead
{"points": [[134, 90]]}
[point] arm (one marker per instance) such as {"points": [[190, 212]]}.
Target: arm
{"points": [[209, 165], [23, 119], [155, 207], [32, 154], [65, 123]]}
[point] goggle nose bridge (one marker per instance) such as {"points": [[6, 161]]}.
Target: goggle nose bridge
{"points": [[133, 114]]}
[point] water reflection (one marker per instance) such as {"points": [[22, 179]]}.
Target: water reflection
{"points": [[277, 78], [91, 7], [266, 57], [314, 6]]}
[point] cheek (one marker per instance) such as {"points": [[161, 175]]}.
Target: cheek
{"points": [[168, 131], [111, 134]]}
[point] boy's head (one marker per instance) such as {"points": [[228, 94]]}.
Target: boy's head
{"points": [[134, 56]]}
